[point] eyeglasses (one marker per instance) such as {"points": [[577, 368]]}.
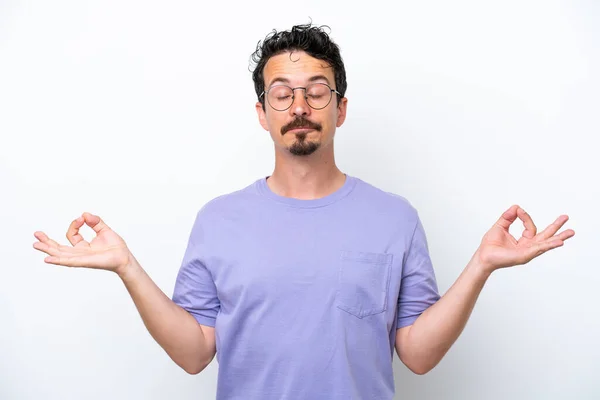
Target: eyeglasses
{"points": [[317, 95]]}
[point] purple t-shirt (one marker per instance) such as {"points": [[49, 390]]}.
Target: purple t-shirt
{"points": [[306, 295]]}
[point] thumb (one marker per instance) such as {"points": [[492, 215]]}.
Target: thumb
{"points": [[94, 222]]}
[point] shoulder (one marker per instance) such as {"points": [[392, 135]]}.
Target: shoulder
{"points": [[227, 205], [387, 202]]}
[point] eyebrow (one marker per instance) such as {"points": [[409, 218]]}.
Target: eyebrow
{"points": [[311, 79]]}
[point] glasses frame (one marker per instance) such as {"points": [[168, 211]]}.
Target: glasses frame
{"points": [[265, 93]]}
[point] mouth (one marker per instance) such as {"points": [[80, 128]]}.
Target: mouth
{"points": [[301, 130]]}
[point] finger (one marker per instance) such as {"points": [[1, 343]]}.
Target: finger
{"points": [[569, 233], [44, 241], [45, 248], [553, 227], [64, 257], [42, 237], [544, 246], [508, 217], [41, 247], [94, 222], [73, 235], [48, 249], [530, 228], [67, 261], [51, 247]]}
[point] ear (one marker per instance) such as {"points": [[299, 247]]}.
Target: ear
{"points": [[341, 110], [262, 116]]}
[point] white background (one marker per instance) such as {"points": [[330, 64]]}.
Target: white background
{"points": [[142, 111]]}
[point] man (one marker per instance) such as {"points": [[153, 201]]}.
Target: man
{"points": [[305, 281]]}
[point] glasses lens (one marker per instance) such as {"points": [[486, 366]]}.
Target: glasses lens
{"points": [[280, 97], [318, 95]]}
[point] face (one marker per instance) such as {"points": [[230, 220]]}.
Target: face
{"points": [[300, 130]]}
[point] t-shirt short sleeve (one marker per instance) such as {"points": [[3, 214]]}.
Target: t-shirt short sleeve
{"points": [[195, 290], [418, 288]]}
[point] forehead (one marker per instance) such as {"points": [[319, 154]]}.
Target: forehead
{"points": [[297, 67]]}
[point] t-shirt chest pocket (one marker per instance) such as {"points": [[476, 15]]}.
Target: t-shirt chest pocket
{"points": [[363, 284]]}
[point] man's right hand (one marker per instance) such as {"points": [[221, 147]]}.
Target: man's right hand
{"points": [[106, 251], [191, 345]]}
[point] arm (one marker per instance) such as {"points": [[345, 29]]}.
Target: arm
{"points": [[423, 344], [189, 344]]}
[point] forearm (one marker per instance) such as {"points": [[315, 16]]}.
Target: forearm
{"points": [[438, 327], [173, 328]]}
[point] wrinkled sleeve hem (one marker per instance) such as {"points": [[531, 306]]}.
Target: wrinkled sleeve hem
{"points": [[203, 320]]}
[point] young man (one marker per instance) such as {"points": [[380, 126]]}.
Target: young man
{"points": [[304, 282]]}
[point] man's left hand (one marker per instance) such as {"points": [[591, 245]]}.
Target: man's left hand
{"points": [[499, 249]]}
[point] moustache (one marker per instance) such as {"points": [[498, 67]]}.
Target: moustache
{"points": [[300, 123]]}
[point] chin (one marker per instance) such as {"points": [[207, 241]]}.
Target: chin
{"points": [[304, 149]]}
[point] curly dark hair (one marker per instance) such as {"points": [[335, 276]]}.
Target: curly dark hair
{"points": [[311, 39]]}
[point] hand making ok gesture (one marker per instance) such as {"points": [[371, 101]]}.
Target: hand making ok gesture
{"points": [[499, 249], [106, 251]]}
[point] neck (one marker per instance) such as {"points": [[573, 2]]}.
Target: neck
{"points": [[306, 177]]}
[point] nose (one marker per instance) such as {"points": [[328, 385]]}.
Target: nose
{"points": [[299, 104]]}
